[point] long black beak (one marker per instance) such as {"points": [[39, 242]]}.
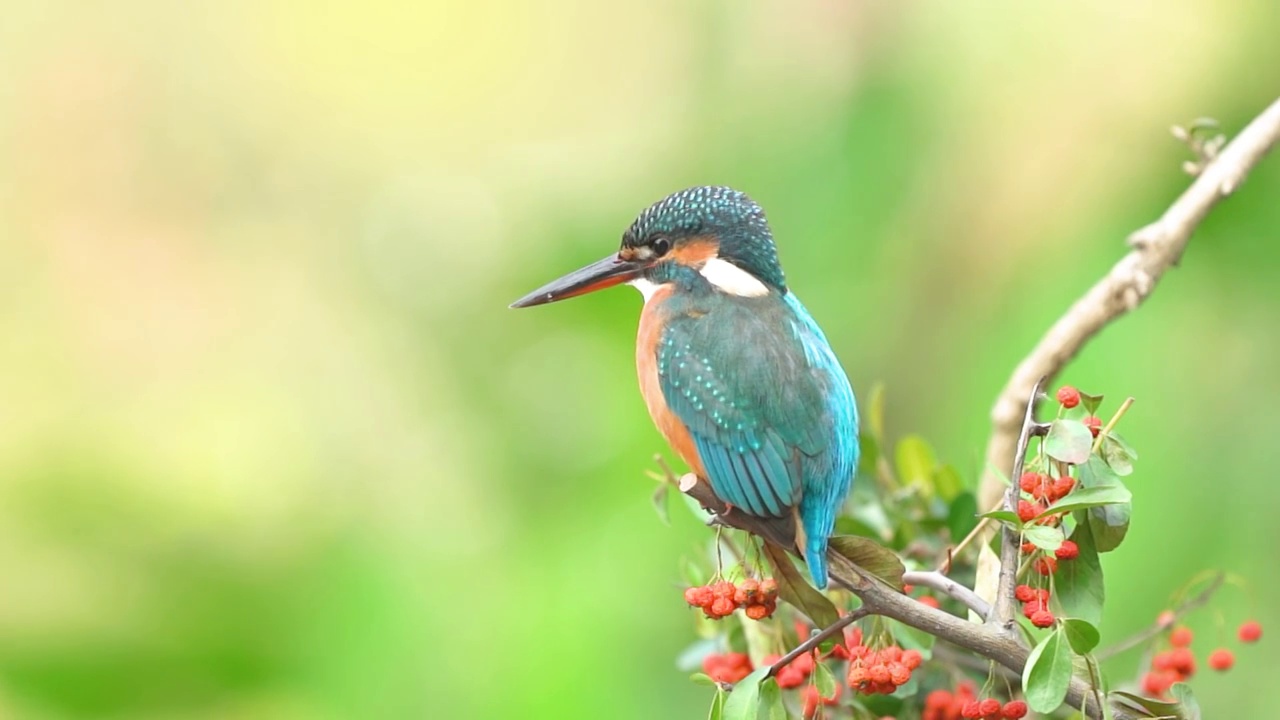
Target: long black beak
{"points": [[597, 276]]}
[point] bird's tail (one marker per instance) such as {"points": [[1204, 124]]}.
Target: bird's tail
{"points": [[815, 556]]}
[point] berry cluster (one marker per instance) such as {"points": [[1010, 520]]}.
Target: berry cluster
{"points": [[992, 709], [881, 671], [757, 598], [946, 705], [1178, 663], [1069, 397], [1035, 605], [727, 667], [795, 673]]}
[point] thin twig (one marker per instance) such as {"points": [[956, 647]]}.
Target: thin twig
{"points": [[818, 639], [1002, 614], [1156, 248], [1111, 424], [1143, 636], [937, 581]]}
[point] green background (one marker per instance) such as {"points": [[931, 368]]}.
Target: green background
{"points": [[273, 446]]}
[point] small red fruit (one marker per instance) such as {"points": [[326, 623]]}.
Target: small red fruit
{"points": [[1027, 510], [769, 587], [990, 706], [1024, 593], [1014, 710], [1047, 565], [1181, 636], [721, 607], [1158, 683], [699, 596], [1042, 619], [971, 710], [1062, 487], [1028, 548], [1094, 424], [912, 659], [931, 601], [1030, 482], [1068, 396], [1221, 659], [1250, 631], [899, 674], [1068, 550], [759, 611], [1182, 661]]}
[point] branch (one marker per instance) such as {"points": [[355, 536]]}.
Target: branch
{"points": [[879, 599], [1156, 248], [1003, 614], [937, 581], [816, 640], [1143, 636]]}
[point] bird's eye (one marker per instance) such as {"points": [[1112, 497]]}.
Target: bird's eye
{"points": [[660, 246]]}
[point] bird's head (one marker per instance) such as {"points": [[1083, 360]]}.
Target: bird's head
{"points": [[704, 234]]}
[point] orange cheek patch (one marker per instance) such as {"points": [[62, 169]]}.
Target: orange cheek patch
{"points": [[695, 251]]}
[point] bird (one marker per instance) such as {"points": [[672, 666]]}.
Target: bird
{"points": [[735, 373]]}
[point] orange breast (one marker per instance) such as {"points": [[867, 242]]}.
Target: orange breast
{"points": [[648, 337]]}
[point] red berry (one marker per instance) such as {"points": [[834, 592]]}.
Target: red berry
{"points": [[971, 709], [1042, 619], [698, 596], [907, 588], [1182, 661], [810, 700], [1014, 709], [990, 706], [938, 699], [1250, 631], [804, 663], [1047, 565], [788, 677], [857, 676], [747, 591], [1043, 594], [899, 674], [912, 659], [1061, 488], [931, 601], [759, 611], [1027, 510], [1162, 661], [1094, 424], [1068, 550], [1068, 396], [727, 668], [1158, 683], [769, 587], [1030, 482], [723, 589], [1033, 607], [1221, 659], [1166, 618], [721, 607], [1028, 548], [1181, 636], [879, 674], [1024, 593]]}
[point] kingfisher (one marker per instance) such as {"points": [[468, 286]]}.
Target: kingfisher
{"points": [[736, 374]]}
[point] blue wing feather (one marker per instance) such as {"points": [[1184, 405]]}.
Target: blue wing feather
{"points": [[768, 407]]}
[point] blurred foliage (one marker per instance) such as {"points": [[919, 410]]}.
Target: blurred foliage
{"points": [[272, 446]]}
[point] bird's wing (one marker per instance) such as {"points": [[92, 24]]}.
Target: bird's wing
{"points": [[741, 379]]}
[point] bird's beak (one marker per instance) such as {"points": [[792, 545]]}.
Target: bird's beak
{"points": [[599, 275]]}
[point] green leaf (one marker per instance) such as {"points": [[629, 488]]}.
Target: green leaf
{"points": [[1048, 673], [1116, 454], [825, 680], [1069, 441], [660, 504], [1079, 582], [870, 556], [1188, 707], [1003, 515], [948, 482], [962, 516], [915, 463], [702, 679], [744, 699], [1185, 707], [1082, 635], [771, 700], [1087, 497], [1044, 537], [797, 591], [1091, 403], [717, 706], [1110, 523]]}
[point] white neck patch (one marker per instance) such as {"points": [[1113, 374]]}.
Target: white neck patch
{"points": [[646, 287], [732, 279]]}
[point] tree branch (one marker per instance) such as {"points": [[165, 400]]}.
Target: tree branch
{"points": [[1002, 614], [818, 639], [880, 599], [937, 581], [1156, 248]]}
